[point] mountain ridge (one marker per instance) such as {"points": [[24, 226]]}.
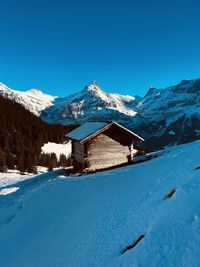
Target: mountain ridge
{"points": [[33, 99], [163, 116]]}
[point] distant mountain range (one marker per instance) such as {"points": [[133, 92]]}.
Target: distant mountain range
{"points": [[163, 116], [34, 100]]}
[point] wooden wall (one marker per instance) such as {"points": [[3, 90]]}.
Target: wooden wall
{"points": [[104, 152], [119, 135], [78, 152]]}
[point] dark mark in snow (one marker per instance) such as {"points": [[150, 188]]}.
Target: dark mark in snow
{"points": [[10, 218], [133, 244], [170, 194]]}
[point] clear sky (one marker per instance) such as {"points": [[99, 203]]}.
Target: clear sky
{"points": [[126, 46]]}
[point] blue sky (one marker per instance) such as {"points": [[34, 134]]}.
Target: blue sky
{"points": [[126, 46]]}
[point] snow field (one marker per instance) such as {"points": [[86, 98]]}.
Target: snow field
{"points": [[89, 220], [58, 149], [13, 176]]}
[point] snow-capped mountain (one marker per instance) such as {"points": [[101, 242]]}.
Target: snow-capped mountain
{"points": [[33, 99], [91, 103], [162, 116], [171, 115], [171, 103]]}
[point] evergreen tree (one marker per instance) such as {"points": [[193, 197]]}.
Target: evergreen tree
{"points": [[43, 160], [28, 163], [22, 134], [54, 160], [20, 164], [51, 161], [10, 160], [35, 169], [35, 161], [3, 167], [5, 142], [63, 161]]}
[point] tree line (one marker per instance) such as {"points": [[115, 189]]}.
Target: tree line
{"points": [[22, 135]]}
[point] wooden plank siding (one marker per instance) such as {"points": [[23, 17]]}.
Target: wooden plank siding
{"points": [[104, 152], [78, 152]]}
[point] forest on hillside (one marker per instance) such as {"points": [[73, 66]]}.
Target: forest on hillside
{"points": [[22, 135]]}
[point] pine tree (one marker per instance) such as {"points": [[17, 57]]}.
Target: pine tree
{"points": [[5, 142], [28, 163], [10, 160], [43, 160], [3, 167], [35, 169], [51, 161], [20, 164], [63, 161], [54, 160], [35, 162]]}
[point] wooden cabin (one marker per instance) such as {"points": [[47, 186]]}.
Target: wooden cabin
{"points": [[100, 145]]}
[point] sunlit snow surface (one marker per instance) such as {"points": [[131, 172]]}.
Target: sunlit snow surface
{"points": [[13, 176], [7, 191], [58, 149], [88, 220]]}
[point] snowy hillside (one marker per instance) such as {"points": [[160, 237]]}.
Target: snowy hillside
{"points": [[33, 100], [92, 219], [58, 149], [13, 176]]}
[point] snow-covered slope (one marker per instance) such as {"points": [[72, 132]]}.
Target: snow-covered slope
{"points": [[13, 176], [90, 220], [33, 99], [58, 149]]}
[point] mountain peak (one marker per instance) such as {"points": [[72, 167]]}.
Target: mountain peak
{"points": [[35, 91], [3, 86], [93, 87], [94, 83], [151, 90], [33, 100]]}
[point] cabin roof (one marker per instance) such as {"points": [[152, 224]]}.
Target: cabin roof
{"points": [[89, 130], [86, 130]]}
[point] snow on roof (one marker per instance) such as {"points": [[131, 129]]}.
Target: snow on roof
{"points": [[86, 130]]}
